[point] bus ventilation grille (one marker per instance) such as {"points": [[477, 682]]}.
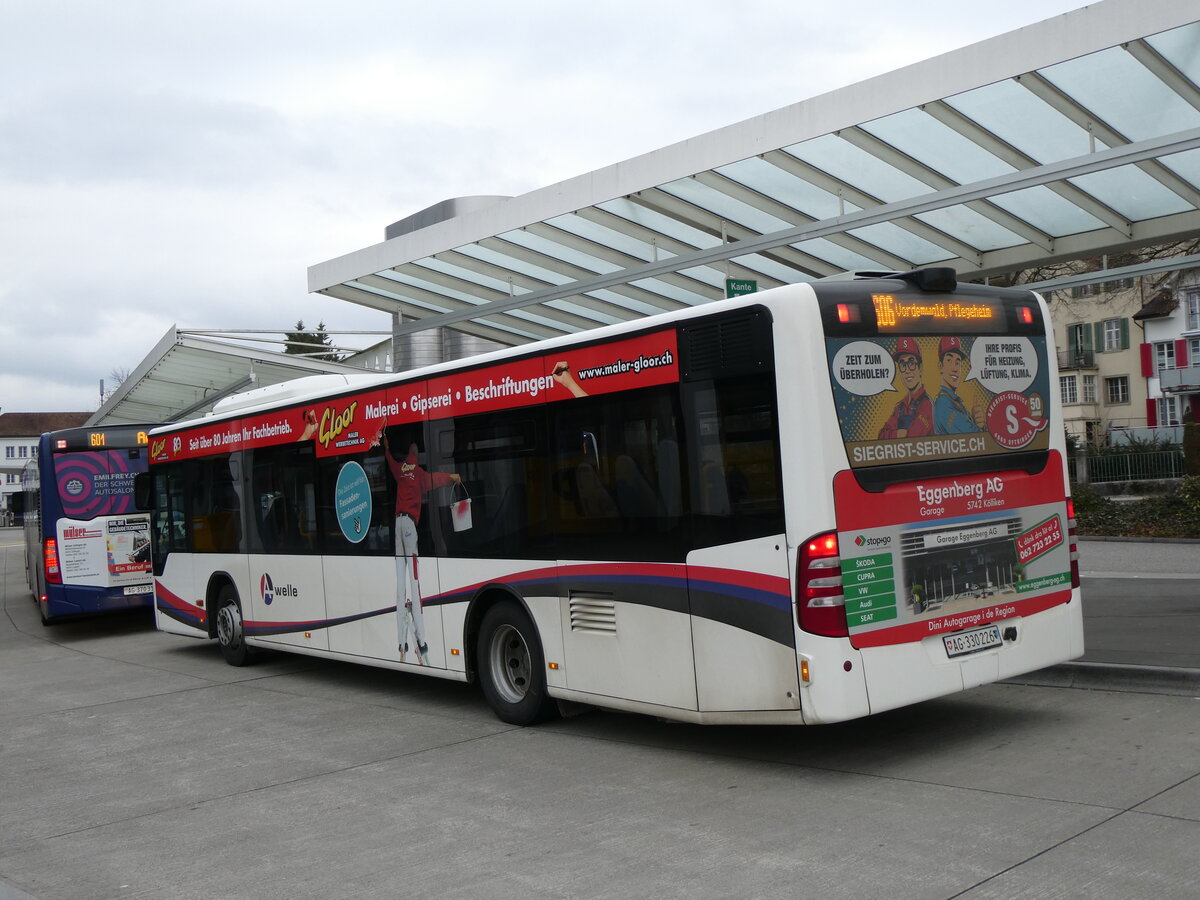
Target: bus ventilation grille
{"points": [[592, 614]]}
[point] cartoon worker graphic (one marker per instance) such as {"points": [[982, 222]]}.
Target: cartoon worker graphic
{"points": [[950, 414], [412, 484], [913, 415]]}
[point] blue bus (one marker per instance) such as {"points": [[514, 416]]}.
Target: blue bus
{"points": [[87, 549]]}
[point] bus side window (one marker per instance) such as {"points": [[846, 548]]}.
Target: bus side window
{"points": [[283, 492], [737, 487], [617, 477]]}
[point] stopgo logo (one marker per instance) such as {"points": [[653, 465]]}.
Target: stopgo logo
{"points": [[882, 540]]}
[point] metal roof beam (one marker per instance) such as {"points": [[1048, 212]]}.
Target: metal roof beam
{"points": [[353, 293], [863, 200], [530, 283], [1037, 84], [869, 143], [611, 255], [581, 275], [1006, 152], [389, 284], [805, 265], [698, 217], [1179, 83], [1099, 276], [571, 321]]}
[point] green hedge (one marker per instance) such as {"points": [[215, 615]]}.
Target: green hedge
{"points": [[1174, 515]]}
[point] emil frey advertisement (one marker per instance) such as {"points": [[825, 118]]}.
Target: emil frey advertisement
{"points": [[946, 553]]}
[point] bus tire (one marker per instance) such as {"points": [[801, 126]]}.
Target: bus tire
{"points": [[512, 670], [231, 633]]}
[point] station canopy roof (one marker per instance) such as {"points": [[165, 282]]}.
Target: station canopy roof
{"points": [[188, 372], [1071, 138]]}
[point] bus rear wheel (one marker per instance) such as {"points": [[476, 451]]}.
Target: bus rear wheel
{"points": [[512, 671], [231, 633]]}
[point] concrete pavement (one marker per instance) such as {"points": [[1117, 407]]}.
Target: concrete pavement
{"points": [[135, 764]]}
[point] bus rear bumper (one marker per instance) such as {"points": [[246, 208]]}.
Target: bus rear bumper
{"points": [[901, 674]]}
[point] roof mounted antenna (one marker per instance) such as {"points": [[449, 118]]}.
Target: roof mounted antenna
{"points": [[935, 278]]}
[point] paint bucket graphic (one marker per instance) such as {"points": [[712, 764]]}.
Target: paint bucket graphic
{"points": [[460, 508]]}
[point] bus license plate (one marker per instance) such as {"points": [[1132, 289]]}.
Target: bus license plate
{"points": [[139, 589], [972, 641]]}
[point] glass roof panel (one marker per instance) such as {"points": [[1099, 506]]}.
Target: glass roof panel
{"points": [[485, 254], [868, 173], [785, 187], [404, 278], [898, 242], [682, 295], [1186, 165], [1124, 94], [465, 274], [1024, 120], [770, 268], [606, 237], [656, 221], [837, 256], [1132, 193], [728, 208], [1047, 211], [585, 312], [630, 303], [937, 146], [1181, 48], [971, 227], [539, 244]]}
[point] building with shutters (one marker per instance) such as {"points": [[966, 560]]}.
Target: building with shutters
{"points": [[1170, 354], [1099, 373], [19, 433]]}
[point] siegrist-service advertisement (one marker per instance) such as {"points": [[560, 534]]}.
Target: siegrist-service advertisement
{"points": [[925, 397]]}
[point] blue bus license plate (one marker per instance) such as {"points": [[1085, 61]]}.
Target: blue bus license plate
{"points": [[972, 641], [139, 589]]}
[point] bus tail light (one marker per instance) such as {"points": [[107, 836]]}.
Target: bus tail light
{"points": [[1072, 541], [50, 557], [820, 604]]}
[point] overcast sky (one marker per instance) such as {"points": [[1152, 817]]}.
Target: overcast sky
{"points": [[178, 162]]}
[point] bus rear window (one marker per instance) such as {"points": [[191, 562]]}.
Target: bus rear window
{"points": [[923, 378]]}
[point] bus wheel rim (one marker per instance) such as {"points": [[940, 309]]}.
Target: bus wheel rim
{"points": [[229, 626], [509, 664]]}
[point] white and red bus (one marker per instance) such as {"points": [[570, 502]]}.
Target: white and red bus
{"points": [[801, 506]]}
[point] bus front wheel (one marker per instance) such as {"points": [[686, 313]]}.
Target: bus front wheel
{"points": [[512, 671], [231, 633]]}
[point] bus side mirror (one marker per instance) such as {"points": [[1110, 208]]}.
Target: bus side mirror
{"points": [[143, 491]]}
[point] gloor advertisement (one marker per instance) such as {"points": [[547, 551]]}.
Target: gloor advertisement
{"points": [[354, 423]]}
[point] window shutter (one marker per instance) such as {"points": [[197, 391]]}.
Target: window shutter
{"points": [[1124, 334], [1098, 332], [1147, 360], [1181, 354], [1151, 413]]}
